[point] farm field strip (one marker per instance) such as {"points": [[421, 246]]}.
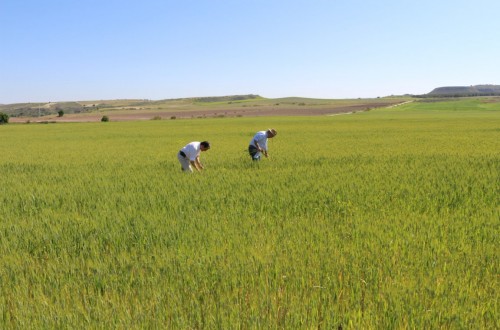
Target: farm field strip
{"points": [[381, 219]]}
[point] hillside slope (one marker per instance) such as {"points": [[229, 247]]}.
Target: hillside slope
{"points": [[457, 91], [201, 107]]}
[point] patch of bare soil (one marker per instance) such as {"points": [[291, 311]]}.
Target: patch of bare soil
{"points": [[492, 100]]}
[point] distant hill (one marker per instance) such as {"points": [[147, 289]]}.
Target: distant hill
{"points": [[76, 107], [195, 107], [460, 91], [227, 98], [35, 109]]}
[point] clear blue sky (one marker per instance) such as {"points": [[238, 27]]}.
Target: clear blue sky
{"points": [[69, 50]]}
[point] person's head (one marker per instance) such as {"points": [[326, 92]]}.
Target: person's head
{"points": [[271, 133], [204, 146]]}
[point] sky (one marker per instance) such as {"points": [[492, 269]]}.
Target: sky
{"points": [[77, 50]]}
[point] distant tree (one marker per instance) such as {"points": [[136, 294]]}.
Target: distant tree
{"points": [[105, 119], [60, 113], [4, 118]]}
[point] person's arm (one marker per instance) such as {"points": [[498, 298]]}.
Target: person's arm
{"points": [[196, 164], [258, 146], [200, 166], [264, 151]]}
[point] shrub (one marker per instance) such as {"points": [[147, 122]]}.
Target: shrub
{"points": [[60, 113], [4, 118], [105, 118]]}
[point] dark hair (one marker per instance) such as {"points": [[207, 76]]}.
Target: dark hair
{"points": [[205, 144]]}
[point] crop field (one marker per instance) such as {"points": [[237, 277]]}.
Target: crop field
{"points": [[385, 219], [190, 108]]}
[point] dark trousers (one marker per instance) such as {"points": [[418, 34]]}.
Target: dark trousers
{"points": [[252, 150]]}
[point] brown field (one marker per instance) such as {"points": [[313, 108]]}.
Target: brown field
{"points": [[222, 110]]}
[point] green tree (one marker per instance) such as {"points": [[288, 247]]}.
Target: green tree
{"points": [[4, 118]]}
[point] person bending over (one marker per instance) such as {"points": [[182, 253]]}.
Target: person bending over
{"points": [[189, 156], [258, 145]]}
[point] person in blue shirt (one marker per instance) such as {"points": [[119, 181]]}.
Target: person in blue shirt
{"points": [[258, 145]]}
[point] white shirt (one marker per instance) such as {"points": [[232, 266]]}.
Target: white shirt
{"points": [[192, 150], [261, 138]]}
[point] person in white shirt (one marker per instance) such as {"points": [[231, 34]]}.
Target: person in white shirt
{"points": [[189, 156], [258, 145]]}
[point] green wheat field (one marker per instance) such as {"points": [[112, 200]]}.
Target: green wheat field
{"points": [[386, 219]]}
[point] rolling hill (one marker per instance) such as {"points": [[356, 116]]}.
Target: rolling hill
{"points": [[460, 91], [197, 107]]}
